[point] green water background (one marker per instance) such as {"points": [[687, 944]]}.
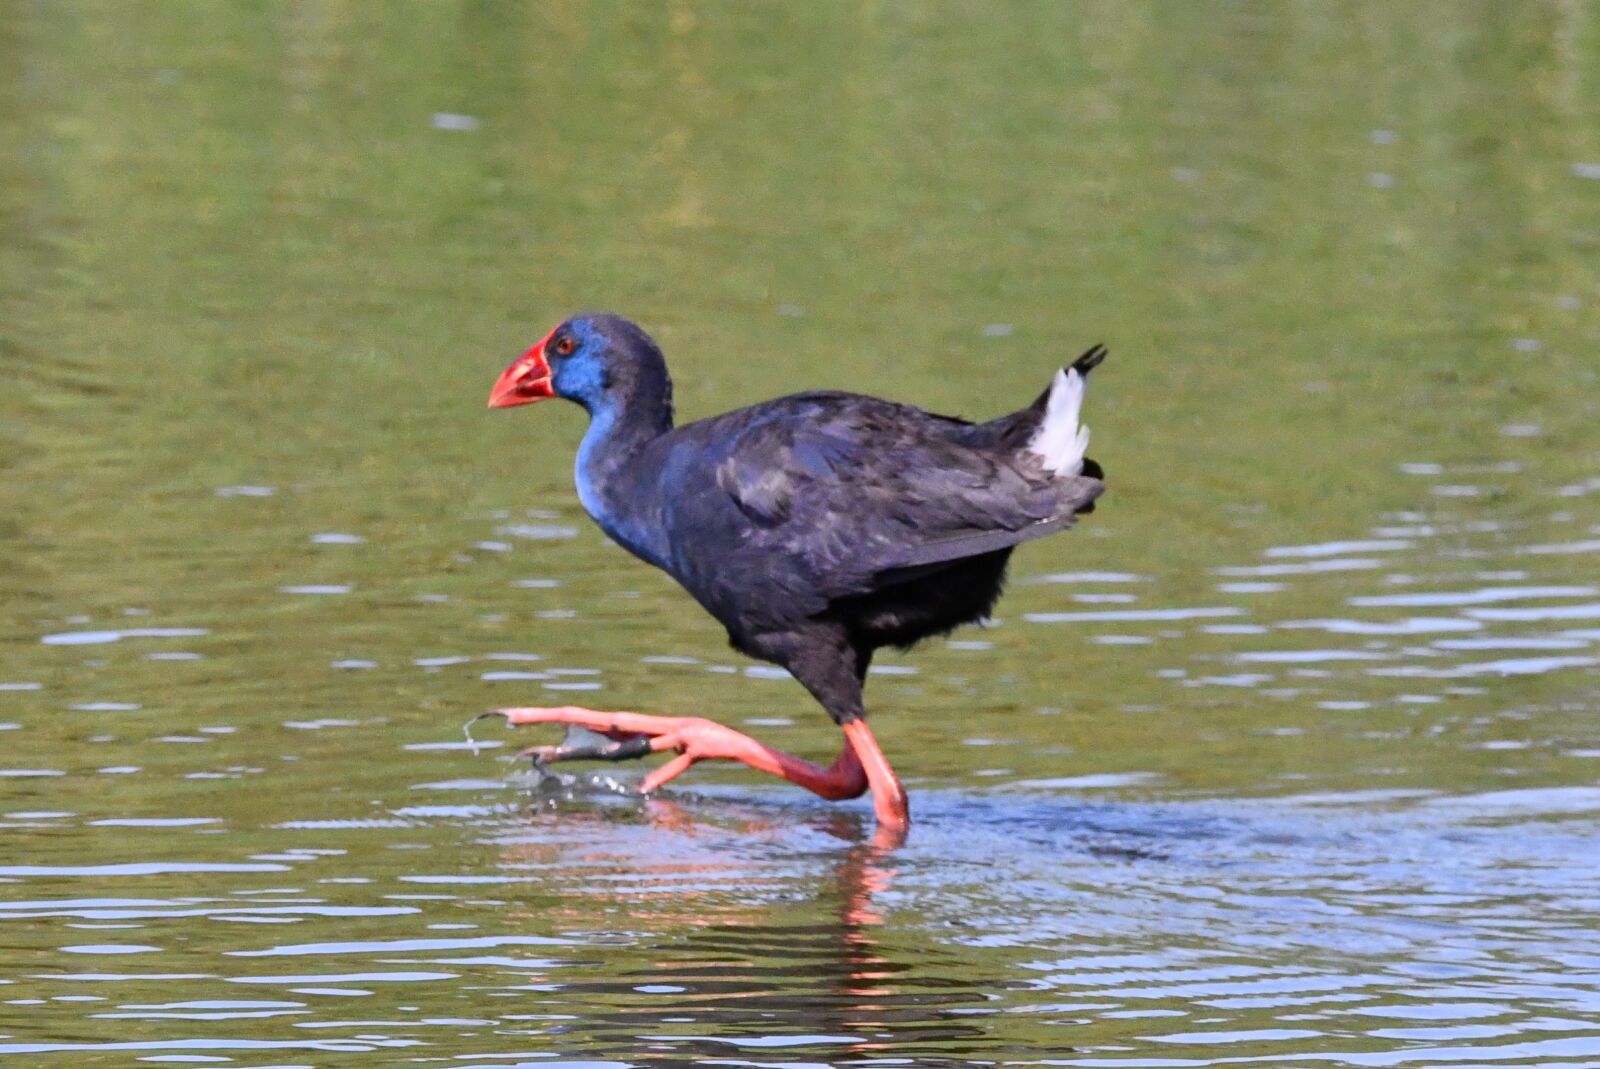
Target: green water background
{"points": [[1343, 255]]}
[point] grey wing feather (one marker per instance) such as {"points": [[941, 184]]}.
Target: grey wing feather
{"points": [[762, 494]]}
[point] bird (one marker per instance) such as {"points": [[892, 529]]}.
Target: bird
{"points": [[816, 528]]}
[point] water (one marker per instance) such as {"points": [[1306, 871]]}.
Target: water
{"points": [[1288, 754]]}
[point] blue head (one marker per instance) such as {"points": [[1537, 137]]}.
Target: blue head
{"points": [[602, 362]]}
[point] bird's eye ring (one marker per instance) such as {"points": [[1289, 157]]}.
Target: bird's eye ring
{"points": [[564, 346]]}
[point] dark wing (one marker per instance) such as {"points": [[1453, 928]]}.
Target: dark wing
{"points": [[862, 493]]}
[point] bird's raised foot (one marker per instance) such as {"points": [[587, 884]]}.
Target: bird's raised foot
{"points": [[692, 738]]}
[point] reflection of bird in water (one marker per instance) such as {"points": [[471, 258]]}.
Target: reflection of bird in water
{"points": [[734, 952], [816, 528]]}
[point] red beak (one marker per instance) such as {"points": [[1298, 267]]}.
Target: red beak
{"points": [[526, 380]]}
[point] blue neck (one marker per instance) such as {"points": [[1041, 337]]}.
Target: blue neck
{"points": [[612, 485], [601, 424]]}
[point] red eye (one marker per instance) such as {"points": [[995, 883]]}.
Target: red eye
{"points": [[565, 346]]}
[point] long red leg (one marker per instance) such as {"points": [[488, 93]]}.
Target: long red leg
{"points": [[696, 739], [888, 797]]}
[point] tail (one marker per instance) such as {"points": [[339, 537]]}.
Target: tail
{"points": [[1090, 360], [1061, 440]]}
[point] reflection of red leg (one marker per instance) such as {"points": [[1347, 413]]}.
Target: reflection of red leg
{"points": [[696, 739]]}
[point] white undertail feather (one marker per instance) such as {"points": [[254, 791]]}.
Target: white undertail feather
{"points": [[1061, 441]]}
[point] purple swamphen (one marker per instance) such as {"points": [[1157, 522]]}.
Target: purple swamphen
{"points": [[815, 528]]}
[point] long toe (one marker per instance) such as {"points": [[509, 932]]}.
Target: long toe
{"points": [[615, 725]]}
